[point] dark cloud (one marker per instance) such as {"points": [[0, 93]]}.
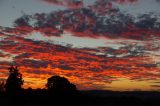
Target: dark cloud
{"points": [[148, 21], [23, 21], [24, 55], [157, 82], [155, 86], [112, 24], [66, 67], [158, 0], [39, 72], [32, 63]]}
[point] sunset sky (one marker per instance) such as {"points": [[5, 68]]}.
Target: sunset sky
{"points": [[96, 44]]}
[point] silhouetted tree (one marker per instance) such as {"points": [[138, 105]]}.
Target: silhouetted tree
{"points": [[14, 82], [60, 86], [2, 84]]}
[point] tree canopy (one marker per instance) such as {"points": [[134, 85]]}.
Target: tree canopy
{"points": [[60, 85], [15, 81]]}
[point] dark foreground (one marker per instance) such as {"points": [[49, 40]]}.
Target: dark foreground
{"points": [[81, 98]]}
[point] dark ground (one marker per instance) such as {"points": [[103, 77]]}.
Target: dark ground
{"points": [[82, 98]]}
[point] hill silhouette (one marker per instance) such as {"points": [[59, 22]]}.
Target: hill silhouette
{"points": [[61, 92]]}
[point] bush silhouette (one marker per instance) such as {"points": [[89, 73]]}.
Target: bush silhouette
{"points": [[60, 86], [14, 82]]}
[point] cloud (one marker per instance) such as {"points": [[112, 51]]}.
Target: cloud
{"points": [[124, 1], [90, 22], [4, 55], [158, 0], [73, 4], [156, 86], [38, 60], [88, 68], [32, 63], [66, 67]]}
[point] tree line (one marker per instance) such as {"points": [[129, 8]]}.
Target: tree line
{"points": [[55, 84]]}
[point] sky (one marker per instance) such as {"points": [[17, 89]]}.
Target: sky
{"points": [[96, 44]]}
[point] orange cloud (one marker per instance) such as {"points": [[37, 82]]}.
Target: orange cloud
{"points": [[39, 60]]}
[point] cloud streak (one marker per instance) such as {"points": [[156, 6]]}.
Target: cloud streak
{"points": [[72, 4], [39, 60]]}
